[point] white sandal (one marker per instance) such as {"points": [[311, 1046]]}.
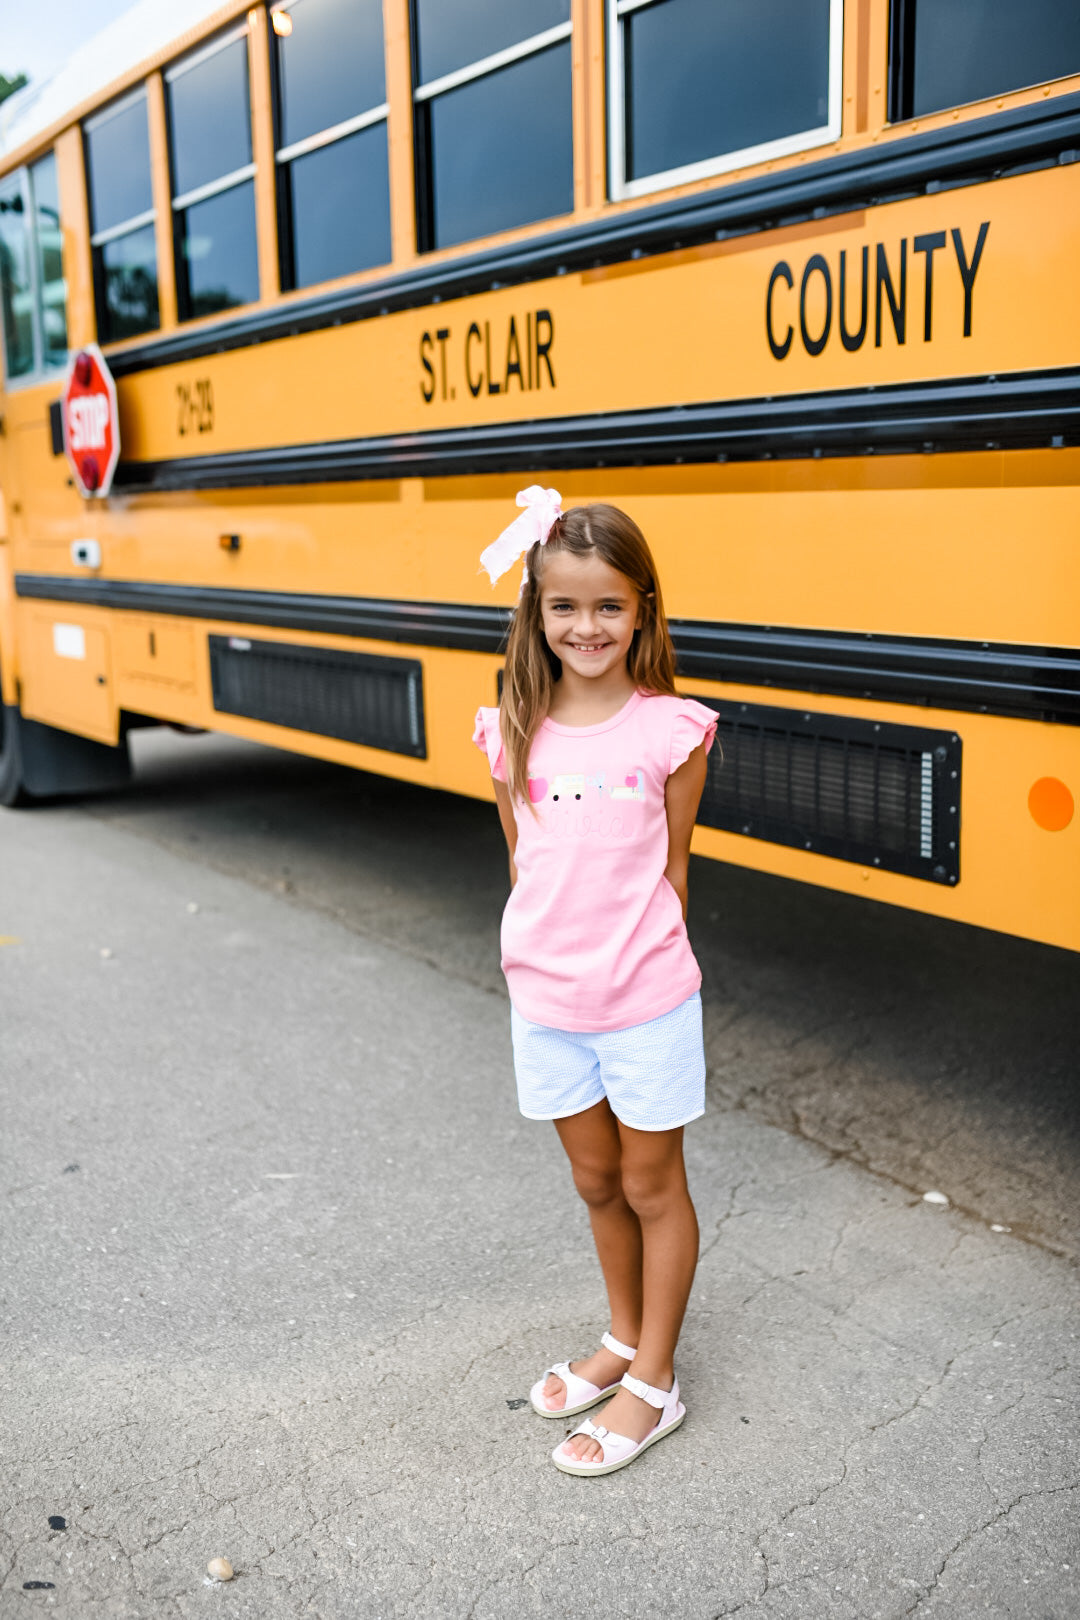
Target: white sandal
{"points": [[580, 1394], [617, 1450]]}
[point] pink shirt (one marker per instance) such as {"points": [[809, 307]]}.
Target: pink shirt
{"points": [[593, 936]]}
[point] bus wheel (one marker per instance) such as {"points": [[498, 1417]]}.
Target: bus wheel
{"points": [[40, 762]]}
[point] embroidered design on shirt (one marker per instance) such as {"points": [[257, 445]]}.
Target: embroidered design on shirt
{"points": [[597, 804], [633, 787], [571, 786]]}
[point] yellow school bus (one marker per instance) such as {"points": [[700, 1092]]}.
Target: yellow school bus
{"points": [[793, 281]]}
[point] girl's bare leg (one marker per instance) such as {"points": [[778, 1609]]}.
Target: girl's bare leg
{"points": [[654, 1186], [594, 1147]]}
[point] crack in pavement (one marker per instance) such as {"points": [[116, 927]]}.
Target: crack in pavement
{"points": [[980, 1529]]}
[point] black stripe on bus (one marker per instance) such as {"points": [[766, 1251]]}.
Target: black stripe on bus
{"points": [[1019, 411], [1033, 683], [969, 153]]}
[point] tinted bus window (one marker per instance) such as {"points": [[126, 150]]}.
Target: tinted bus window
{"points": [[453, 33], [330, 63], [493, 135], [16, 284], [332, 154], [51, 286], [33, 293], [117, 145], [210, 116], [127, 278], [340, 208], [220, 261], [209, 106], [946, 52], [699, 86]]}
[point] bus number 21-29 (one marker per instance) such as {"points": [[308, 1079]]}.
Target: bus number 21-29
{"points": [[195, 407]]}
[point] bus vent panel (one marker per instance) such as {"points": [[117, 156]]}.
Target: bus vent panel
{"points": [[858, 790], [355, 697]]}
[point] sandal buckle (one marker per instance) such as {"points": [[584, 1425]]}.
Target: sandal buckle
{"points": [[636, 1386]]}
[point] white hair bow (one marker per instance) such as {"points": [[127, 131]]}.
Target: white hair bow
{"points": [[542, 507]]}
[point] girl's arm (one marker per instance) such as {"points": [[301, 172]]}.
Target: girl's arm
{"points": [[509, 825], [682, 796]]}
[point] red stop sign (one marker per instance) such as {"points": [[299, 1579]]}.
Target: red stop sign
{"points": [[91, 424]]}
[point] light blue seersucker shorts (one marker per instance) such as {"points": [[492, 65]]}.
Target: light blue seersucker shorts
{"points": [[652, 1074]]}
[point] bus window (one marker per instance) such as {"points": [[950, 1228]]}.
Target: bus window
{"points": [[217, 265], [493, 126], [332, 160], [946, 52], [33, 293], [117, 145], [16, 285], [697, 87], [52, 288]]}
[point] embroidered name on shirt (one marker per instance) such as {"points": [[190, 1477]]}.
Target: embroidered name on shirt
{"points": [[572, 822]]}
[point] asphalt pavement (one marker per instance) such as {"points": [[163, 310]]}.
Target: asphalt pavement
{"points": [[280, 1259]]}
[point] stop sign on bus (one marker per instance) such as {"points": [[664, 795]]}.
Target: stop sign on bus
{"points": [[91, 425]]}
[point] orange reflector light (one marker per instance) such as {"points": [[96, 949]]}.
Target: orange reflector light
{"points": [[1051, 804], [282, 23]]}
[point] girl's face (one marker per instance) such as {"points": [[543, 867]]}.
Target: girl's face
{"points": [[590, 612]]}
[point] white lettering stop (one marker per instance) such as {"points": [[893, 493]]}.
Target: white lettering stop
{"points": [[87, 420]]}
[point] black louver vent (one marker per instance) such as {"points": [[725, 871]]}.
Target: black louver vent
{"points": [[858, 790], [356, 697]]}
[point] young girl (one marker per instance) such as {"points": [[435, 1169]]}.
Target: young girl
{"points": [[599, 767]]}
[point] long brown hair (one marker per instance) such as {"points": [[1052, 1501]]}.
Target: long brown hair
{"points": [[532, 667]]}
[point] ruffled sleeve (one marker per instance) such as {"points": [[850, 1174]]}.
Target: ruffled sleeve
{"points": [[693, 724], [488, 738]]}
